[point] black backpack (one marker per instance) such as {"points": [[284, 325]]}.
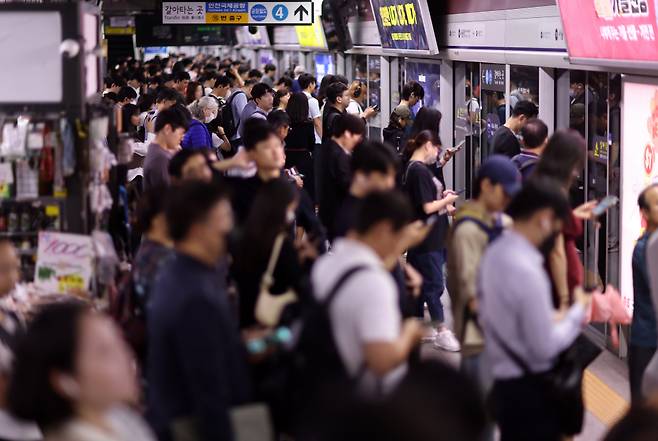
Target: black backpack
{"points": [[228, 120], [297, 377]]}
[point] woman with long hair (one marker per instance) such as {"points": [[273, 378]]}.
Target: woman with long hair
{"points": [[194, 92], [73, 376], [301, 140], [562, 160], [431, 202], [281, 98], [272, 215]]}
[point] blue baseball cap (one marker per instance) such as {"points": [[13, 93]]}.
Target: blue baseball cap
{"points": [[501, 170]]}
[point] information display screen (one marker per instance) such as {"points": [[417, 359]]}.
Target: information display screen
{"points": [[150, 32], [324, 65], [404, 25], [638, 167], [611, 30]]}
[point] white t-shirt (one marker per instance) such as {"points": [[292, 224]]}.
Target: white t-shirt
{"points": [[314, 112], [354, 108], [364, 311]]}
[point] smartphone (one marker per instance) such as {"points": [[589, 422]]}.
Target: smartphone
{"points": [[460, 192], [458, 147], [376, 107], [606, 203]]}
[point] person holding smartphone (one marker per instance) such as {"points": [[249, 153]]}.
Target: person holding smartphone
{"points": [[429, 198]]}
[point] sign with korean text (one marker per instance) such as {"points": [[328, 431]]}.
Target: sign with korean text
{"points": [[64, 262], [402, 25], [624, 30], [239, 13], [638, 168], [493, 77]]}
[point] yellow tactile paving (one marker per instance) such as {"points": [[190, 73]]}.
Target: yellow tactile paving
{"points": [[601, 401]]}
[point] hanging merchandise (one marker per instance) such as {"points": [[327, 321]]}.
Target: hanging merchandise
{"points": [[6, 179], [68, 147], [27, 179], [14, 137]]}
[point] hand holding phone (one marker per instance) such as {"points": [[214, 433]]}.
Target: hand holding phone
{"points": [[606, 203], [457, 148]]}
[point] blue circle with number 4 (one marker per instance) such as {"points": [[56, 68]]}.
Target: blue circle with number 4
{"points": [[280, 12], [259, 12]]}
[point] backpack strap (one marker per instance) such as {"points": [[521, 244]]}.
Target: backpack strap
{"points": [[339, 284]]}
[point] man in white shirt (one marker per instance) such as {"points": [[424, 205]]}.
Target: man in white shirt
{"points": [[372, 340], [309, 84]]}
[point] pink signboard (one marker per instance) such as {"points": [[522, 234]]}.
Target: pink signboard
{"points": [[614, 30]]}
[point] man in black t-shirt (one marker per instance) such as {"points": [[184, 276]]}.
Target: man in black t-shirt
{"points": [[338, 98], [336, 176], [504, 141]]}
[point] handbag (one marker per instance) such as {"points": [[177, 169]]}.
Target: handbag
{"points": [[563, 382], [268, 306]]}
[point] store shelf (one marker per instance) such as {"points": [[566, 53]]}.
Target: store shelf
{"points": [[18, 233]]}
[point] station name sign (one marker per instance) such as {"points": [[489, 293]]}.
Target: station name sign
{"points": [[239, 13], [400, 24]]}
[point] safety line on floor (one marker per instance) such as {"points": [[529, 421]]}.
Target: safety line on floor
{"points": [[601, 401]]}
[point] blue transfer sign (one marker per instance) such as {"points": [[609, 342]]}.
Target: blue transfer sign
{"points": [[280, 12], [258, 12]]}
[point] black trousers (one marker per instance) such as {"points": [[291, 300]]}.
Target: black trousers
{"points": [[525, 411], [638, 360]]}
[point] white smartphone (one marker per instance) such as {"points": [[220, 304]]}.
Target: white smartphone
{"points": [[458, 147], [606, 203]]}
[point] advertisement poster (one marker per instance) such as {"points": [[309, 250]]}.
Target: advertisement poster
{"points": [[401, 25], [311, 36], [64, 262], [638, 168], [611, 29], [324, 65]]}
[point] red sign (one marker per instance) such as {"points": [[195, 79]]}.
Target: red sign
{"points": [[611, 29]]}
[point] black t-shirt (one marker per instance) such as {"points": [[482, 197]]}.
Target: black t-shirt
{"points": [[346, 216], [423, 187], [301, 137], [328, 119], [335, 183], [504, 142]]}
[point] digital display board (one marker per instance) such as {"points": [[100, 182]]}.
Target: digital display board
{"points": [[324, 65], [493, 77], [404, 25], [150, 32], [611, 31], [638, 167]]}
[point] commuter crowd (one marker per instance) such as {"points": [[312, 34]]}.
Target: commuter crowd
{"points": [[286, 270]]}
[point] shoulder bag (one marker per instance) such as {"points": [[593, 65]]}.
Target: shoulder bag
{"points": [[268, 306]]}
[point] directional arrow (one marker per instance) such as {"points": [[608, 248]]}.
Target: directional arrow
{"points": [[301, 10]]}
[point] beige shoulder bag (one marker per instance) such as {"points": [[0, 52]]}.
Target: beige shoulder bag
{"points": [[269, 307]]}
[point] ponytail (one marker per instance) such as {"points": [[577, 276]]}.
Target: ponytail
{"points": [[420, 140]]}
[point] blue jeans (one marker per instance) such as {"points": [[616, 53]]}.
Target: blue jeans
{"points": [[430, 266]]}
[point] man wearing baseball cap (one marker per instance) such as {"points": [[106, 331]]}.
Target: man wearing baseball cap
{"points": [[394, 133], [477, 223], [262, 101]]}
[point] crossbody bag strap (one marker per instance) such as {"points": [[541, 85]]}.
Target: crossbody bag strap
{"points": [[509, 352], [268, 277]]}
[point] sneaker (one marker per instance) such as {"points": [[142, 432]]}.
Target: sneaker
{"points": [[447, 341], [430, 336]]}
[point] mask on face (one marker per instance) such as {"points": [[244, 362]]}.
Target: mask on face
{"points": [[209, 118]]}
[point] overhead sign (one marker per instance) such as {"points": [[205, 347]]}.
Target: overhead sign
{"points": [[493, 77], [404, 25], [239, 13], [621, 30], [638, 168], [311, 36]]}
